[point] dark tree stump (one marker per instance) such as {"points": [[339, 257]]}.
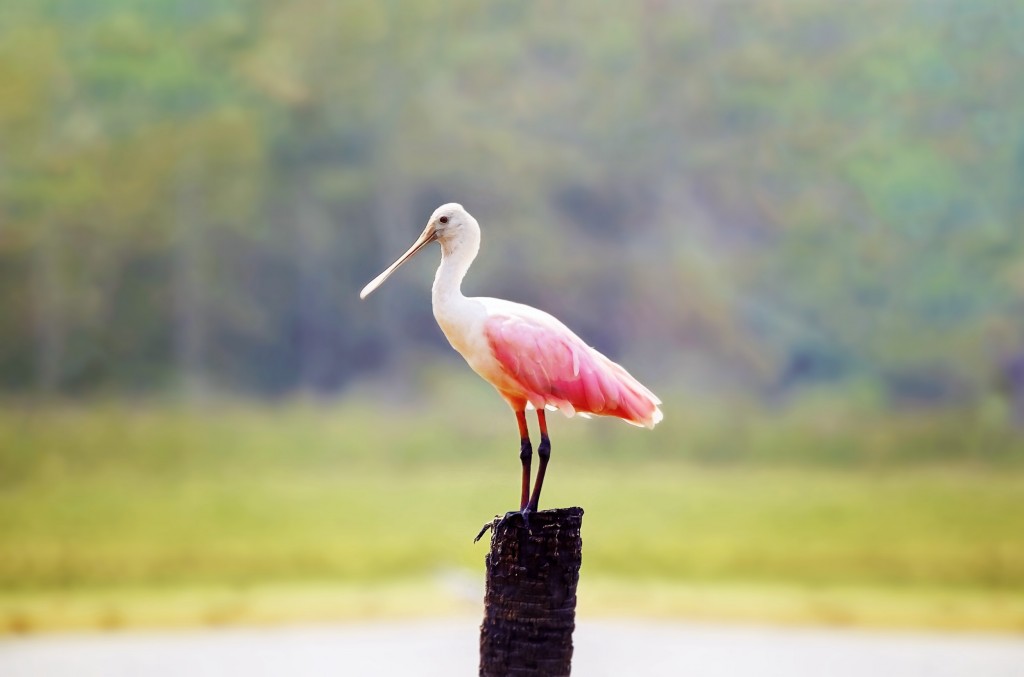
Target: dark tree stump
{"points": [[530, 603]]}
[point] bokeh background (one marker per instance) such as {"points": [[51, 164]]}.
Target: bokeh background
{"points": [[800, 222]]}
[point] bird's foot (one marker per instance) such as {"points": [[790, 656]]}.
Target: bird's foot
{"points": [[524, 513]]}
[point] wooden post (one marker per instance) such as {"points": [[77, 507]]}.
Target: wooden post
{"points": [[530, 601]]}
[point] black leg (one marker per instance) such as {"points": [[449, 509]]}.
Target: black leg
{"points": [[544, 452], [527, 504], [525, 456]]}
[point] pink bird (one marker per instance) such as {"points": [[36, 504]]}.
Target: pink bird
{"points": [[532, 359]]}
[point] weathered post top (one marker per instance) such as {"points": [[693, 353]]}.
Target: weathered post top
{"points": [[530, 601]]}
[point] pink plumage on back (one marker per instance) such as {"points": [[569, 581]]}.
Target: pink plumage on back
{"points": [[547, 364]]}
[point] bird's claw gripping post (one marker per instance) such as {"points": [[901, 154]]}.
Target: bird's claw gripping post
{"points": [[494, 524]]}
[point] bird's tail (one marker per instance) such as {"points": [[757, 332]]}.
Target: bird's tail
{"points": [[636, 404]]}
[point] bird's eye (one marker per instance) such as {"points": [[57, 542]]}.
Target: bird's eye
{"points": [[443, 219]]}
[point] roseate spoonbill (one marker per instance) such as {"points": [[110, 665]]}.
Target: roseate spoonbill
{"points": [[532, 359]]}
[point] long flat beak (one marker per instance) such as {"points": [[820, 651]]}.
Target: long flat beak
{"points": [[426, 237]]}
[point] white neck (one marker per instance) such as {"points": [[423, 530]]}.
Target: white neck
{"points": [[457, 255]]}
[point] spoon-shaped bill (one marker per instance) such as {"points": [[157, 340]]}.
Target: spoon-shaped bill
{"points": [[426, 237]]}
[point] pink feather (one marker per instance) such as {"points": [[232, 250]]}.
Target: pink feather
{"points": [[546, 364]]}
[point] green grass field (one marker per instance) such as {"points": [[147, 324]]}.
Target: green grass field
{"points": [[112, 515]]}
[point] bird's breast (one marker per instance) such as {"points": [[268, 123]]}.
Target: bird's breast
{"points": [[463, 326]]}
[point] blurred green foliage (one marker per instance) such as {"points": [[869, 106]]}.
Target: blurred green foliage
{"points": [[764, 196], [800, 221]]}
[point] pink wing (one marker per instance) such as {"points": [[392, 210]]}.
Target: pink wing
{"points": [[552, 366]]}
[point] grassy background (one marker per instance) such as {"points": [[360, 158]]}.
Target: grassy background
{"points": [[116, 515]]}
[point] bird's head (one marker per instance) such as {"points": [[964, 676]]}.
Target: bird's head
{"points": [[450, 225], [454, 228]]}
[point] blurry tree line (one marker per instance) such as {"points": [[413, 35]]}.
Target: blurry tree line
{"points": [[762, 195]]}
